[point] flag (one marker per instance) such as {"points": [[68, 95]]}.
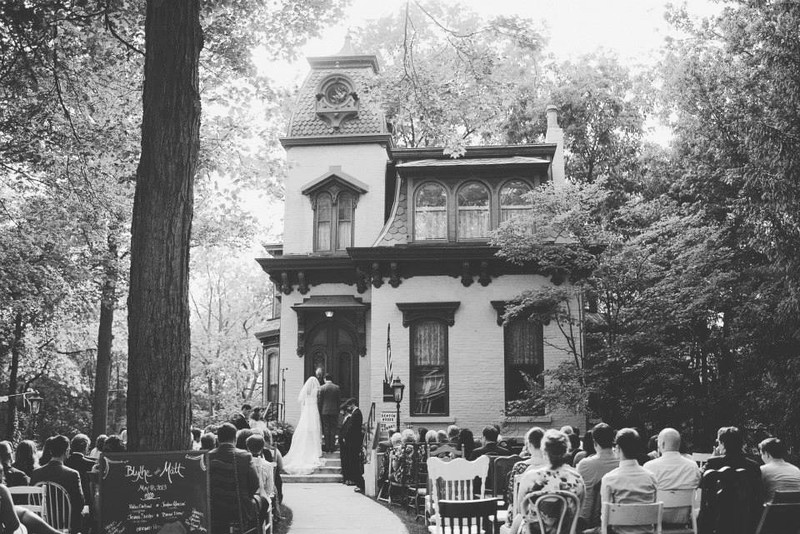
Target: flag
{"points": [[388, 373]]}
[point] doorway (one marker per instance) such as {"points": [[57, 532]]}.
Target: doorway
{"points": [[331, 346]]}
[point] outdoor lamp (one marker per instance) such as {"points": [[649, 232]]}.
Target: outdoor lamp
{"points": [[397, 391], [34, 402], [329, 314]]}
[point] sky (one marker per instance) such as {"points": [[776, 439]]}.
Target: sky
{"points": [[634, 29]]}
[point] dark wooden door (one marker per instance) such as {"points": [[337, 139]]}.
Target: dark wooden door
{"points": [[332, 348]]}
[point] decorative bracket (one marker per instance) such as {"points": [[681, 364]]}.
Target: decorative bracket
{"points": [[438, 311]]}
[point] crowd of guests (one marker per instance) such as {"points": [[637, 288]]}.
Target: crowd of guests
{"points": [[605, 465]]}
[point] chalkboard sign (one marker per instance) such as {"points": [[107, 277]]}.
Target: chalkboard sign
{"points": [[154, 492]]}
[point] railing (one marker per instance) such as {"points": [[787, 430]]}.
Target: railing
{"points": [[370, 434], [275, 411]]}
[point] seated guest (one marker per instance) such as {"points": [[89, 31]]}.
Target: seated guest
{"points": [[452, 435], [592, 470], [11, 475], [241, 438], [208, 441], [77, 460], [555, 476], [533, 445], [265, 469], [273, 455], [197, 435], [234, 495], [586, 450], [408, 436], [652, 447], [466, 442], [422, 432], [114, 444], [11, 517], [673, 471], [69, 479], [490, 446], [98, 446], [26, 457], [441, 436], [432, 438], [574, 448], [630, 483], [777, 474], [730, 452]]}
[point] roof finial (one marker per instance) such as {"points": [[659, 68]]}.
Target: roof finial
{"points": [[347, 49]]}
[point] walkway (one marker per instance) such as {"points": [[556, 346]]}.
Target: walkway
{"points": [[336, 509]]}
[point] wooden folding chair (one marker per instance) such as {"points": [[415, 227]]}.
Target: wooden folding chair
{"points": [[553, 512], [30, 497], [454, 480], [781, 515], [678, 504], [629, 515], [476, 516]]}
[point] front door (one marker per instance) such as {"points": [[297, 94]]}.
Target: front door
{"points": [[332, 348]]}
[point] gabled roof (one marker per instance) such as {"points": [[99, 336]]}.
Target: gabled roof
{"points": [[335, 175]]}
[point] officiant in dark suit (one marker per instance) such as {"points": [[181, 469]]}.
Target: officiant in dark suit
{"points": [[351, 438], [329, 400]]}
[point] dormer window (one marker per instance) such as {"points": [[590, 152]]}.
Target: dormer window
{"points": [[430, 212], [334, 197], [512, 200]]}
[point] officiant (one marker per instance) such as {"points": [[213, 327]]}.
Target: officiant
{"points": [[351, 437]]}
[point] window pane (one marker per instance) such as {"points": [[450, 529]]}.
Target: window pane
{"points": [[523, 355], [323, 214], [273, 370], [344, 230], [473, 212], [512, 201], [430, 212], [429, 367]]}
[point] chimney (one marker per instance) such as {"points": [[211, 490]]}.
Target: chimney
{"points": [[555, 135]]}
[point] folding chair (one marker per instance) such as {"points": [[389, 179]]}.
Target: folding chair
{"points": [[678, 504], [454, 480], [781, 515], [476, 516], [30, 497], [553, 512], [57, 508], [629, 515]]}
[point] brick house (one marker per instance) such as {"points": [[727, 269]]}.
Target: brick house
{"points": [[380, 239]]}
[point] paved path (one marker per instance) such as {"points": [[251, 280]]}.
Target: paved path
{"points": [[336, 509]]}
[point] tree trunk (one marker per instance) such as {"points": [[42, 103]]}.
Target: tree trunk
{"points": [[102, 377], [159, 407], [13, 378]]}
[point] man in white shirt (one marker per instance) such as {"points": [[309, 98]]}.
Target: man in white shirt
{"points": [[629, 483], [673, 471], [777, 474]]}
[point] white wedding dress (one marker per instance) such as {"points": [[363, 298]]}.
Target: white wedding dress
{"points": [[305, 453]]}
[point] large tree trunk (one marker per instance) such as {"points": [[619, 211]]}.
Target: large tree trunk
{"points": [[102, 377], [159, 407]]}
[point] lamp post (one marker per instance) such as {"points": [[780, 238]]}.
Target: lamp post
{"points": [[31, 399], [397, 391]]}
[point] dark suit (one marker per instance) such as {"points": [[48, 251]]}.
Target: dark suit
{"points": [[70, 480], [82, 465], [352, 436], [329, 400], [491, 448], [231, 491]]}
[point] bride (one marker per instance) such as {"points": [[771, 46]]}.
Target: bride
{"points": [[305, 453]]}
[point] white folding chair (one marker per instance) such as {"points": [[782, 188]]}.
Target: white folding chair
{"points": [[30, 497], [700, 458], [629, 515], [679, 507], [57, 508]]}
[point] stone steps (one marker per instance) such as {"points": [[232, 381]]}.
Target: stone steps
{"points": [[331, 472]]}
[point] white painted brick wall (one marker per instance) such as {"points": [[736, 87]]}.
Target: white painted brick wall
{"points": [[365, 162]]}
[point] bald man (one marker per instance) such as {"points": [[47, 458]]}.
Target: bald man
{"points": [[673, 471]]}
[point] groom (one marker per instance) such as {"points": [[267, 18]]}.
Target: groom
{"points": [[329, 398]]}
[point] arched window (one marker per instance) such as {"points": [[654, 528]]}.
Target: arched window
{"points": [[273, 372], [344, 218], [473, 211], [324, 217], [430, 212], [512, 201]]}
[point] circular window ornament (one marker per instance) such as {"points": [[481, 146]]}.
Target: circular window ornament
{"points": [[337, 92]]}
